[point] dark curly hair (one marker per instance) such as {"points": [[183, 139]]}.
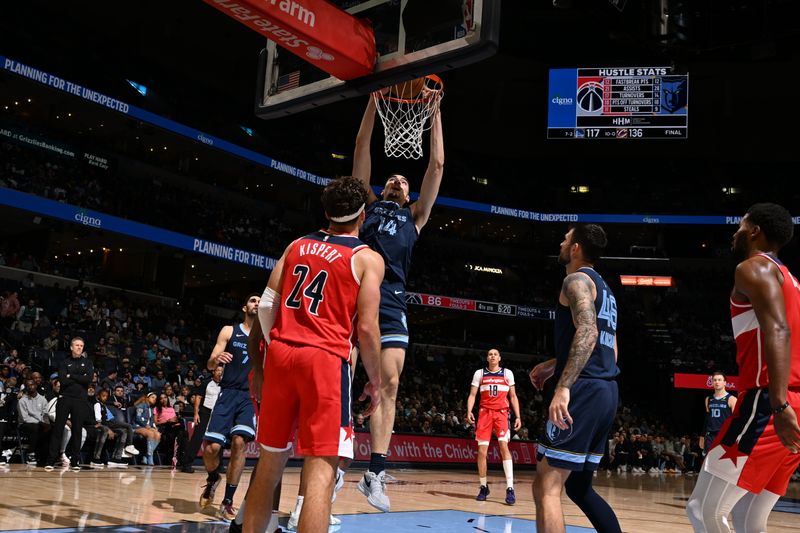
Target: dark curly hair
{"points": [[774, 220], [592, 239], [343, 197]]}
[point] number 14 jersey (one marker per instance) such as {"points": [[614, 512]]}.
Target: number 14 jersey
{"points": [[319, 293], [494, 387]]}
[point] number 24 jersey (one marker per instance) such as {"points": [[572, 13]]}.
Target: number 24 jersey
{"points": [[319, 293]]}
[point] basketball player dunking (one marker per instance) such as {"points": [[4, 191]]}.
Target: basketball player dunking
{"points": [[308, 311], [719, 406], [391, 229], [752, 459], [232, 420]]}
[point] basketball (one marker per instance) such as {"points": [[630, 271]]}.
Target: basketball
{"points": [[408, 90]]}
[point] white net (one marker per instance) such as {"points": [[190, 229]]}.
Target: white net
{"points": [[405, 112]]}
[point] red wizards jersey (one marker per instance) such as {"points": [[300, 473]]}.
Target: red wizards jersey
{"points": [[319, 293], [750, 339], [494, 387]]}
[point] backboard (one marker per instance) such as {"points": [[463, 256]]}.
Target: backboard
{"points": [[413, 38]]}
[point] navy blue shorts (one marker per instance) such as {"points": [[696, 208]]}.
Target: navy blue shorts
{"points": [[592, 405], [392, 317], [709, 438], [233, 414]]}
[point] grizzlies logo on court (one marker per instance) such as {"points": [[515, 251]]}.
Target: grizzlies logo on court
{"points": [[555, 434]]}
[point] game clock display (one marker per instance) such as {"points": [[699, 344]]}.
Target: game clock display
{"points": [[618, 103]]}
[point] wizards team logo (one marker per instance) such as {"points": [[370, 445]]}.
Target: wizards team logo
{"points": [[674, 94], [556, 434], [590, 95]]}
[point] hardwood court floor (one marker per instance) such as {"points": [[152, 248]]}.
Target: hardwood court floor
{"points": [[34, 499]]}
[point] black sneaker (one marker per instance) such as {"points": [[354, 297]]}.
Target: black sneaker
{"points": [[187, 469], [483, 493]]}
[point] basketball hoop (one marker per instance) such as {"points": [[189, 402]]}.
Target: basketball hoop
{"points": [[405, 110]]}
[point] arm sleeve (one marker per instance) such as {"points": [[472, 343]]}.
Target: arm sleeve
{"points": [[270, 301], [476, 378]]}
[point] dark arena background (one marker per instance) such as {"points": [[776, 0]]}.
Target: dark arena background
{"points": [[146, 189]]}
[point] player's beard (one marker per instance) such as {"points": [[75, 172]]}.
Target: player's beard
{"points": [[563, 259], [739, 246]]}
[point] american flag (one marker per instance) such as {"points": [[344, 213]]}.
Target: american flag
{"points": [[289, 81]]}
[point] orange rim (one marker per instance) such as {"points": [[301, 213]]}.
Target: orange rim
{"points": [[433, 92]]}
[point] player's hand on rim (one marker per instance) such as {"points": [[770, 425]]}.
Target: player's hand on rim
{"points": [[559, 413], [370, 390], [787, 429]]}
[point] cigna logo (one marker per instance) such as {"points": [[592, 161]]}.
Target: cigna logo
{"points": [[87, 220], [205, 140], [560, 100]]}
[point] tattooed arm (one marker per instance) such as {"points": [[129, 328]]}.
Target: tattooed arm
{"points": [[578, 291]]}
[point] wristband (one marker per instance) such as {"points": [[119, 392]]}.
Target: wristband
{"points": [[780, 408]]}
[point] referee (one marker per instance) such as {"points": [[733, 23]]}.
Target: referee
{"points": [[205, 396]]}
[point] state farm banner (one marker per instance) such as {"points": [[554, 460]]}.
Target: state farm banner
{"points": [[702, 381], [314, 30]]}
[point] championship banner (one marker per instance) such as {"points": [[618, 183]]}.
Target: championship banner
{"points": [[702, 381], [316, 31]]}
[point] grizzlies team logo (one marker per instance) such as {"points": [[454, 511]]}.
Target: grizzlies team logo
{"points": [[555, 434], [674, 96]]}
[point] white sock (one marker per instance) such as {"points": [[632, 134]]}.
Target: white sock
{"points": [[298, 506], [483, 482], [508, 468], [273, 522]]}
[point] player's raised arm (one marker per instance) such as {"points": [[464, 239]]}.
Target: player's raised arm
{"points": [[369, 337], [429, 190], [362, 158]]}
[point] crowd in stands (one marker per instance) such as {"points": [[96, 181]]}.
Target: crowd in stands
{"points": [[217, 217], [145, 357]]}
